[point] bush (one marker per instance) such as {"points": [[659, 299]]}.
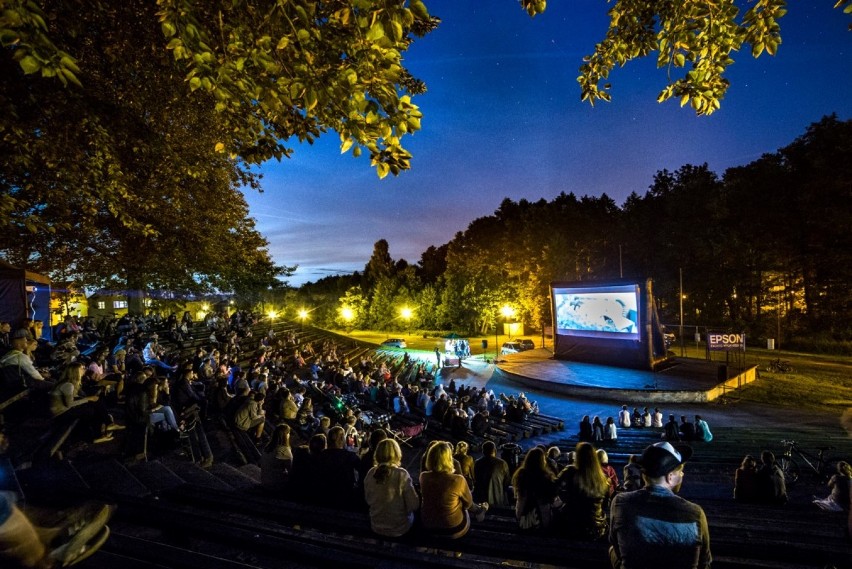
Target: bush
{"points": [[819, 344]]}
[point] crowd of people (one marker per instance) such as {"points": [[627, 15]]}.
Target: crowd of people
{"points": [[581, 500], [605, 432], [298, 402]]}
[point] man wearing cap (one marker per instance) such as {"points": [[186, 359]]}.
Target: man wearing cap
{"points": [[17, 371], [654, 524]]}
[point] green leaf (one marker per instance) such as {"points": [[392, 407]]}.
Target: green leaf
{"points": [[418, 8], [29, 64], [283, 43], [396, 29], [376, 31], [347, 144], [382, 170], [68, 62], [168, 29], [69, 75], [311, 100]]}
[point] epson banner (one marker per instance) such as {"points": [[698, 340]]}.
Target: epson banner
{"points": [[725, 341]]}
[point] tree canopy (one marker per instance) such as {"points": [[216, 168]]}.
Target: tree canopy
{"points": [[129, 129], [765, 241], [123, 173], [273, 71], [694, 41]]}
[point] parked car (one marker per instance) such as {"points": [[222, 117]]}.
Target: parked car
{"points": [[511, 348], [394, 343], [526, 344]]}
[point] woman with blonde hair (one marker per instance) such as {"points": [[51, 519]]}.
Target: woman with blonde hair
{"points": [[839, 484], [446, 497], [389, 492], [609, 471], [583, 487], [465, 463]]}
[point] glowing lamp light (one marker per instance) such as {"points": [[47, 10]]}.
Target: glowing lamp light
{"points": [[347, 313], [405, 313], [272, 314], [205, 307], [303, 314], [507, 311]]}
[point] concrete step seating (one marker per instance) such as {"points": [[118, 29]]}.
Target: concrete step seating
{"points": [[737, 541], [779, 537], [188, 498], [175, 514]]}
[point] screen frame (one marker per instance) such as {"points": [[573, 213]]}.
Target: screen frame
{"points": [[631, 288]]}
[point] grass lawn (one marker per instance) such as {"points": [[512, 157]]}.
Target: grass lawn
{"points": [[816, 382]]}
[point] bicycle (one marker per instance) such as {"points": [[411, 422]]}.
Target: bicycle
{"points": [[778, 366], [817, 463]]}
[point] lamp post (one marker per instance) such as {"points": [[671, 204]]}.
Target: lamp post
{"points": [[680, 299], [496, 341], [778, 315], [506, 311], [406, 314], [347, 315]]}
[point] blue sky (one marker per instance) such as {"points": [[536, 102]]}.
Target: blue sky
{"points": [[503, 118]]}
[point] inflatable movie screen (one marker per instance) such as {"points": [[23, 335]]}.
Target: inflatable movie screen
{"points": [[613, 323]]}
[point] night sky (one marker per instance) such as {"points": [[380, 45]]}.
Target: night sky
{"points": [[503, 118]]}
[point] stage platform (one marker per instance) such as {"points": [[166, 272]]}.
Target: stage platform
{"points": [[684, 381]]}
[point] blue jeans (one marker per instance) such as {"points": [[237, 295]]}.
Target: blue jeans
{"points": [[159, 364], [164, 414]]}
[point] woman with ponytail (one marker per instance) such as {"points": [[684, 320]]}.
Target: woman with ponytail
{"points": [[389, 492]]}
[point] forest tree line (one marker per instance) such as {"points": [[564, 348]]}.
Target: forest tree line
{"points": [[763, 243]]}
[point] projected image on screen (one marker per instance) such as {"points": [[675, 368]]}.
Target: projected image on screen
{"points": [[598, 312]]}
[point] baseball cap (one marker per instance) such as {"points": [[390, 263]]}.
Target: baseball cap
{"points": [[661, 458]]}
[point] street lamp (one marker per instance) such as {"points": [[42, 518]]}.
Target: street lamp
{"points": [[406, 314], [778, 317], [348, 316], [778, 290], [507, 312], [303, 315]]}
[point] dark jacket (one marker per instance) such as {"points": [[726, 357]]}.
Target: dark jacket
{"points": [[339, 478], [770, 487], [491, 481]]}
